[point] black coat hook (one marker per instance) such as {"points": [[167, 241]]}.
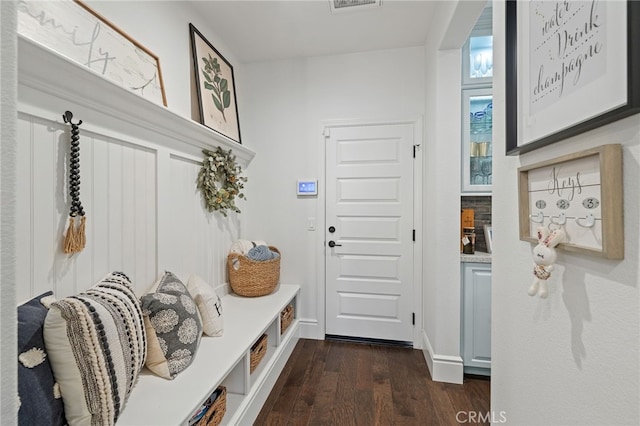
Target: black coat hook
{"points": [[67, 116]]}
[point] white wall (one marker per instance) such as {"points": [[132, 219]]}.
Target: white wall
{"points": [[441, 205], [8, 321], [281, 109], [285, 104], [572, 358]]}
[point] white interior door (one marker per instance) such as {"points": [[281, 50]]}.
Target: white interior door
{"points": [[369, 218]]}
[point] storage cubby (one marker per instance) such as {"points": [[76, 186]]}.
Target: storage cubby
{"points": [[222, 361]]}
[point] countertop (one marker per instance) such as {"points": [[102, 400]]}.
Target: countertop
{"points": [[477, 257]]}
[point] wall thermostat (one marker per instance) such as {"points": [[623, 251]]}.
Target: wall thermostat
{"points": [[308, 187]]}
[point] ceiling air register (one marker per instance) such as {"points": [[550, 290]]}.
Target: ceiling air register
{"points": [[343, 5]]}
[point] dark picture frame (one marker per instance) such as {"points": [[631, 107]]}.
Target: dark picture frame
{"points": [[216, 88], [514, 116]]}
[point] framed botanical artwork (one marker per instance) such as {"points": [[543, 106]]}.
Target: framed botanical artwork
{"points": [[571, 66], [580, 193], [215, 86], [74, 30]]}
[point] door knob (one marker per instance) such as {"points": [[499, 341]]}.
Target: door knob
{"points": [[333, 244]]}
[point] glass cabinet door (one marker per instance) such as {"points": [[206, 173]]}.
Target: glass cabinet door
{"points": [[477, 58], [477, 140]]}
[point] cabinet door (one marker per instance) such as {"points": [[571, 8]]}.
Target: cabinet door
{"points": [[477, 315], [477, 146]]}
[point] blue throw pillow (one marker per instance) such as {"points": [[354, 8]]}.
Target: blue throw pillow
{"points": [[40, 401]]}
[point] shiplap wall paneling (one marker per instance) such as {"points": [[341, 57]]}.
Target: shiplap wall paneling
{"points": [[118, 192], [24, 216], [130, 203], [200, 239]]}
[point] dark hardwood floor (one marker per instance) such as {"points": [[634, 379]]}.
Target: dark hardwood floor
{"points": [[337, 383]]}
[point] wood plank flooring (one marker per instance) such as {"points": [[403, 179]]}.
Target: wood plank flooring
{"points": [[337, 383]]}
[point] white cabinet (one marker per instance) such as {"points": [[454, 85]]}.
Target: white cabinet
{"points": [[476, 318]]}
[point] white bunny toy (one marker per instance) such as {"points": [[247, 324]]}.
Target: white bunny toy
{"points": [[544, 256]]}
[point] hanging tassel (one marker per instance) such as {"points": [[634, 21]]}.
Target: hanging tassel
{"points": [[81, 236], [76, 239], [71, 239]]}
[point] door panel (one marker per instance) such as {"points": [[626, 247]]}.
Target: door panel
{"points": [[358, 304], [369, 189], [369, 228], [369, 273], [371, 267]]}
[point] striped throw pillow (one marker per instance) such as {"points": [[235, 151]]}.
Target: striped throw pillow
{"points": [[96, 345]]}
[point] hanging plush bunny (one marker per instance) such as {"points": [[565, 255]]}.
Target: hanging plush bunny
{"points": [[544, 256]]}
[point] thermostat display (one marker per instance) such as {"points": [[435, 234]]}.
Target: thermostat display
{"points": [[307, 187]]}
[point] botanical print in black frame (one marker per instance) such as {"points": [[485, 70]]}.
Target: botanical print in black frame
{"points": [[215, 86]]}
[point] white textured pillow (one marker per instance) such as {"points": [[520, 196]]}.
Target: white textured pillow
{"points": [[243, 246], [96, 344], [209, 305]]}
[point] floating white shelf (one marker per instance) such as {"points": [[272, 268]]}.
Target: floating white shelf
{"points": [[45, 77]]}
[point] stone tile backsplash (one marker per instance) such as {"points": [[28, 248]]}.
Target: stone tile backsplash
{"points": [[482, 216]]}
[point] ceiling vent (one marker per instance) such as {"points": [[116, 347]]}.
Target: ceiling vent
{"points": [[353, 5]]}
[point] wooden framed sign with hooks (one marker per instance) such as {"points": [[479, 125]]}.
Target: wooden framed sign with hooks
{"points": [[580, 193]]}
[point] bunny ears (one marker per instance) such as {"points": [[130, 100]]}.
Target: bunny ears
{"points": [[550, 239]]}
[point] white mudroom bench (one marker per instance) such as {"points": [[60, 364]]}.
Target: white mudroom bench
{"points": [[128, 138], [222, 361]]}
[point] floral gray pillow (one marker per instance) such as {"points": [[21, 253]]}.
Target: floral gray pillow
{"points": [[173, 327]]}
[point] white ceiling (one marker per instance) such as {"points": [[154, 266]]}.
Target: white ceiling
{"points": [[271, 30]]}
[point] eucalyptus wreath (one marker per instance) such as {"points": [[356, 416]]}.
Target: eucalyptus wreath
{"points": [[220, 181]]}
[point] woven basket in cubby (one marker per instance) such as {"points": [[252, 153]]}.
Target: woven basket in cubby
{"points": [[217, 408], [252, 278], [286, 318], [257, 352]]}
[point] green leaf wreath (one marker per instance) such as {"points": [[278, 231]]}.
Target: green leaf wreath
{"points": [[220, 181]]}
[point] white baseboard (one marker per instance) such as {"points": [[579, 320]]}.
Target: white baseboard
{"points": [[310, 329], [443, 368]]}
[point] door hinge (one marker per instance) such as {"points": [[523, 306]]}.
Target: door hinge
{"points": [[416, 146], [414, 235], [413, 318]]}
